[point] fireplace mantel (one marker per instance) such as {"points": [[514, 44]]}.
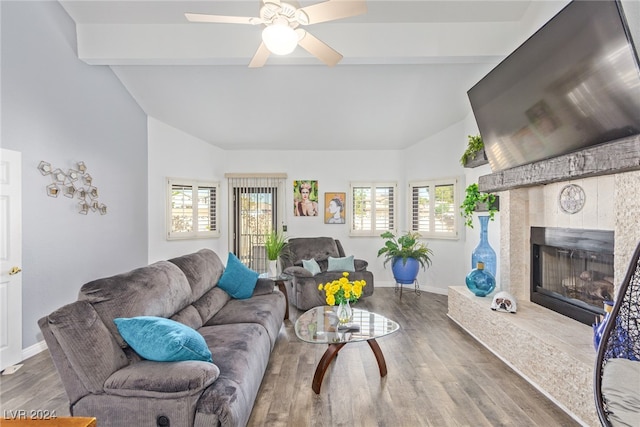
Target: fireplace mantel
{"points": [[622, 155]]}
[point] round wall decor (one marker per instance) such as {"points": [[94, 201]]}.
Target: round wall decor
{"points": [[571, 198]]}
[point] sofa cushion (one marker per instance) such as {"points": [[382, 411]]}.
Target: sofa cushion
{"points": [[341, 264], [241, 351], [264, 286], [160, 289], [202, 269], [188, 316], [266, 310], [238, 280], [311, 265], [75, 325], [211, 303], [318, 248], [164, 380], [360, 264], [620, 379], [163, 340]]}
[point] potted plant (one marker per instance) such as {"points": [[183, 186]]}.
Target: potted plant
{"points": [[273, 244], [477, 201], [474, 154], [407, 254]]}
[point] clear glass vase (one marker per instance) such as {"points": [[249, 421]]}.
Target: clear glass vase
{"points": [[484, 253], [345, 314]]}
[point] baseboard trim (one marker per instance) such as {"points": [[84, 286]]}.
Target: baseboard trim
{"points": [[431, 289], [31, 351]]}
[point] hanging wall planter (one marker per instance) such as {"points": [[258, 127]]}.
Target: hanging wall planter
{"points": [[475, 154]]}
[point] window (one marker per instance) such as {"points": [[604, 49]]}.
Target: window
{"points": [[434, 208], [373, 208], [192, 211]]}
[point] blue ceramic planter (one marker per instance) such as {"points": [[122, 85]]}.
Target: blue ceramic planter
{"points": [[405, 274]]}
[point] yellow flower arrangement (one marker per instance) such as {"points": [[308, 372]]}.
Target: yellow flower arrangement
{"points": [[342, 290]]}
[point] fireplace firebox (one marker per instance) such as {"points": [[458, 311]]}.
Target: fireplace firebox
{"points": [[572, 271]]}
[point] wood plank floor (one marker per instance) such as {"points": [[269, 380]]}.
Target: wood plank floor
{"points": [[437, 376]]}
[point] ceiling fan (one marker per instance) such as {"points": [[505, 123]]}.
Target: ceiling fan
{"points": [[282, 20]]}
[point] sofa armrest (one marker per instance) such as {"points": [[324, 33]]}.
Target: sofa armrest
{"points": [[162, 379], [264, 286], [298, 271], [360, 264]]}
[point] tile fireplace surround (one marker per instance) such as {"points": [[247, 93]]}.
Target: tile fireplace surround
{"points": [[559, 363]]}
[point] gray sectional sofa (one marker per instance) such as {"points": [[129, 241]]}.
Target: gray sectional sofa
{"points": [[103, 376]]}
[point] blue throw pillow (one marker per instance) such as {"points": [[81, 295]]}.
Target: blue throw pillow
{"points": [[163, 340], [341, 264], [311, 265], [238, 280]]}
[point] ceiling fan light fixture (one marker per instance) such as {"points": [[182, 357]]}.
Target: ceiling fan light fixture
{"points": [[280, 39]]}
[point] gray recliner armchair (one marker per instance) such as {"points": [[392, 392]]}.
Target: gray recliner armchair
{"points": [[303, 287]]}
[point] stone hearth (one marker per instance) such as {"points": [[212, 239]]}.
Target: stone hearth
{"points": [[558, 364]]}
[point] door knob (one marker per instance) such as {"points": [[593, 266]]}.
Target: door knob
{"points": [[14, 270]]}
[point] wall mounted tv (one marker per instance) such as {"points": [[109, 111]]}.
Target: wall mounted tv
{"points": [[573, 84]]}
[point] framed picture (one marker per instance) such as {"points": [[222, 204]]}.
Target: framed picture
{"points": [[334, 205], [305, 198]]}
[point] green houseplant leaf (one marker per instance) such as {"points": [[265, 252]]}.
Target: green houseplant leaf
{"points": [[274, 243], [474, 197], [406, 246], [474, 146]]}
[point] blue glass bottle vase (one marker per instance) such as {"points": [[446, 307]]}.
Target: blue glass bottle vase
{"points": [[599, 326], [480, 281], [484, 252]]}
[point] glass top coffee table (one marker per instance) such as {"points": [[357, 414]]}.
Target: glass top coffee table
{"points": [[320, 326]]}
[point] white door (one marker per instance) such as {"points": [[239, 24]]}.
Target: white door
{"points": [[10, 258]]}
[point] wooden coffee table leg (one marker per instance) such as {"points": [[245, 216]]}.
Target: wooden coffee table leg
{"points": [[379, 357], [324, 363]]}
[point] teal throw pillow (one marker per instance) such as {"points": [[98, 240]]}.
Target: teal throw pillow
{"points": [[238, 280], [163, 340], [311, 265], [341, 264]]}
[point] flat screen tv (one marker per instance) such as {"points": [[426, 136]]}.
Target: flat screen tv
{"points": [[573, 84]]}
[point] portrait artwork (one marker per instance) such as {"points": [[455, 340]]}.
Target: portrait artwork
{"points": [[334, 206], [305, 198]]}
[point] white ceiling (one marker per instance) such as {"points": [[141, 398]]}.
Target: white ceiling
{"points": [[406, 69]]}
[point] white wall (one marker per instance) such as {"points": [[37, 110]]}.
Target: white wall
{"points": [[175, 154], [61, 110]]}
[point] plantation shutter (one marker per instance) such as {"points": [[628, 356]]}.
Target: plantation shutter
{"points": [[192, 210]]}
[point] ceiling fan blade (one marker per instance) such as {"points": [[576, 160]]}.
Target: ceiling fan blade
{"points": [[219, 19], [334, 9], [260, 57], [318, 48]]}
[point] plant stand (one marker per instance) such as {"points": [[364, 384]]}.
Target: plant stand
{"points": [[398, 288]]}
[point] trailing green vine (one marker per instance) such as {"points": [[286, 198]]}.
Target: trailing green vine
{"points": [[473, 197]]}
